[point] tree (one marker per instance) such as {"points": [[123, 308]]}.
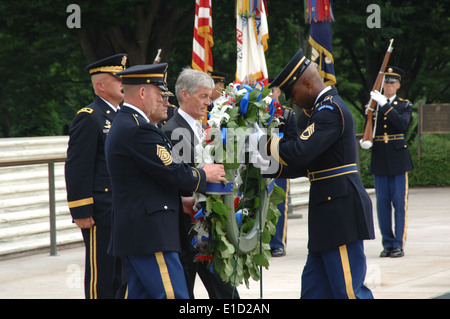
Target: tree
{"points": [[44, 83]]}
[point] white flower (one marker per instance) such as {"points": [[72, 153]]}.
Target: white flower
{"points": [[218, 114], [203, 154]]}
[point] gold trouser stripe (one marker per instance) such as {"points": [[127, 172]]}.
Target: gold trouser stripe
{"points": [[406, 209], [93, 262], [81, 202], [165, 275], [347, 272], [286, 202]]}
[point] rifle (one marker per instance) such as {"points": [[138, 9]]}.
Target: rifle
{"points": [[367, 141], [158, 57]]}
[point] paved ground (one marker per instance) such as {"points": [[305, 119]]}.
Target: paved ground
{"points": [[423, 273]]}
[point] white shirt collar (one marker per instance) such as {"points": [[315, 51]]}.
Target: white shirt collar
{"points": [[110, 105], [190, 120], [321, 93], [137, 110], [392, 98]]}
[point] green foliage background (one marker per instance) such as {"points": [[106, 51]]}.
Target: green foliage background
{"points": [[43, 80]]}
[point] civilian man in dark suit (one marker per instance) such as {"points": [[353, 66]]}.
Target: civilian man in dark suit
{"points": [[193, 90], [340, 210], [147, 225], [87, 179]]}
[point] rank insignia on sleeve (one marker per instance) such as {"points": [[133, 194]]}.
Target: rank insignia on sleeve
{"points": [[85, 110], [307, 132], [163, 155]]}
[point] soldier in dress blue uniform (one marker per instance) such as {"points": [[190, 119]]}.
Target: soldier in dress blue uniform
{"points": [[147, 223], [219, 85], [288, 128], [391, 162], [87, 179], [170, 107], [340, 210]]}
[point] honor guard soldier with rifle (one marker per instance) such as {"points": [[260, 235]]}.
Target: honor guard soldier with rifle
{"points": [[391, 162], [87, 179], [340, 210]]}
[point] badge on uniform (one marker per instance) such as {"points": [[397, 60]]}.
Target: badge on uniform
{"points": [[307, 132], [163, 155], [107, 126]]}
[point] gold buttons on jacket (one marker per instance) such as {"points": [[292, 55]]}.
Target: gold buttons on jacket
{"points": [[106, 190], [165, 207], [329, 197]]}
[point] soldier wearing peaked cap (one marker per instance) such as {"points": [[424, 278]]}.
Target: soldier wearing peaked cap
{"points": [[170, 107], [87, 179], [391, 162], [219, 85], [340, 210], [147, 223]]}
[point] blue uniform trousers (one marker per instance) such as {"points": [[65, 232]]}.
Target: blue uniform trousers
{"points": [[337, 273], [156, 276], [392, 191], [279, 239]]}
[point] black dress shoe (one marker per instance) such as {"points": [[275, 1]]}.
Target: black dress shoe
{"points": [[397, 252], [386, 252], [278, 252]]}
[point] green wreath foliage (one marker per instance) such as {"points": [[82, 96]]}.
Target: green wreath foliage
{"points": [[234, 230]]}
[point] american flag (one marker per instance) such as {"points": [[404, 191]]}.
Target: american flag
{"points": [[203, 37]]}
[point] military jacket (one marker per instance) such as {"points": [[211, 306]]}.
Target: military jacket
{"points": [[147, 187], [87, 178], [340, 210], [288, 125], [390, 154]]}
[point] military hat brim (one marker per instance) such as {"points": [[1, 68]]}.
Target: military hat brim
{"points": [[155, 74], [291, 72], [112, 65], [218, 76], [393, 74]]}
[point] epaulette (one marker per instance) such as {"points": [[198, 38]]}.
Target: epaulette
{"points": [[288, 108], [404, 100], [86, 110], [174, 106]]}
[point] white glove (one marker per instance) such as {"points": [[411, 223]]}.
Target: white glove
{"points": [[253, 141], [379, 98]]}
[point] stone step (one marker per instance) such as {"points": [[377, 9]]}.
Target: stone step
{"points": [[39, 243], [31, 215], [14, 204]]}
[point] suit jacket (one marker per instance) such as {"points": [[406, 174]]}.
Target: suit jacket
{"points": [[87, 178], [147, 185], [184, 139], [391, 157], [340, 210]]}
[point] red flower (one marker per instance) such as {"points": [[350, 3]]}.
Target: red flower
{"points": [[205, 258], [208, 136], [237, 200]]}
